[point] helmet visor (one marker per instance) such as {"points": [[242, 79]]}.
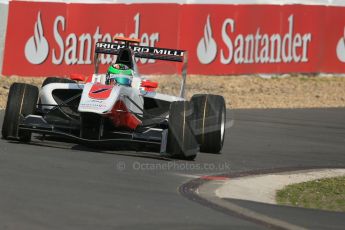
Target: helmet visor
{"points": [[123, 80], [119, 79]]}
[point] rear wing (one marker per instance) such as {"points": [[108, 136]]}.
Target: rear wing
{"points": [[143, 52]]}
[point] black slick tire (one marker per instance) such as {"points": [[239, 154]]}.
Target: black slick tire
{"points": [[209, 122], [181, 142], [22, 100]]}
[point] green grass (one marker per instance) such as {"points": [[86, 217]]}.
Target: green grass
{"points": [[326, 194]]}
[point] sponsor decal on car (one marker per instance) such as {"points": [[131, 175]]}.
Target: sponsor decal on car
{"points": [[100, 91]]}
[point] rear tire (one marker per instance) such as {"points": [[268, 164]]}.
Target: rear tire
{"points": [[209, 122], [181, 142], [56, 80], [22, 100], [91, 126]]}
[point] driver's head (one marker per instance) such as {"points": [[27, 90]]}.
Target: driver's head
{"points": [[119, 74]]}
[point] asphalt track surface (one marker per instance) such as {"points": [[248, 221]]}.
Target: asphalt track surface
{"points": [[57, 185]]}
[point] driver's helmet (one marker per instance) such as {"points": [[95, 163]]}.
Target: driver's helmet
{"points": [[119, 74]]}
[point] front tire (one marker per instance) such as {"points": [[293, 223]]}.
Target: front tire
{"points": [[22, 100], [181, 142], [209, 121]]}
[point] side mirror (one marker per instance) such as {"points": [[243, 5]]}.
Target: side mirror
{"points": [[77, 77], [149, 85]]}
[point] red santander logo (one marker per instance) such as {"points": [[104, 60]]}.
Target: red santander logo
{"points": [[73, 49], [341, 49], [207, 46], [37, 48], [257, 47], [58, 38]]}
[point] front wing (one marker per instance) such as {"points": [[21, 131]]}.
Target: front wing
{"points": [[148, 139]]}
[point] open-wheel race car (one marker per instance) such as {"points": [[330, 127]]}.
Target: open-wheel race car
{"points": [[119, 108]]}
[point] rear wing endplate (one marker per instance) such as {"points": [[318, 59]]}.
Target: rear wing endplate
{"points": [[142, 51], [145, 52]]}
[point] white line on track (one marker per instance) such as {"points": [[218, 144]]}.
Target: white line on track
{"points": [[263, 188], [259, 188]]}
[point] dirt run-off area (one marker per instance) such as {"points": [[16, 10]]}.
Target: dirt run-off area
{"points": [[242, 91]]}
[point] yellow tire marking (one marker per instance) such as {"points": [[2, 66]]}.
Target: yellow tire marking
{"points": [[203, 121], [21, 103], [21, 107], [184, 121]]}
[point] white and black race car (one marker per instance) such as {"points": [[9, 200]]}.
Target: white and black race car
{"points": [[127, 117]]}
